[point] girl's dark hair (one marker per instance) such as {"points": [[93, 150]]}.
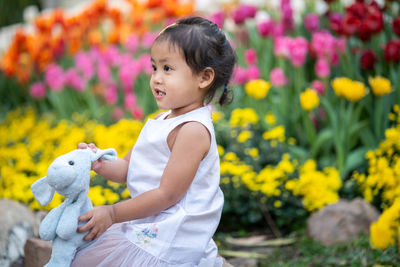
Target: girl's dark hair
{"points": [[204, 45]]}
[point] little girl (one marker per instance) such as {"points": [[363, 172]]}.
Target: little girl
{"points": [[172, 172]]}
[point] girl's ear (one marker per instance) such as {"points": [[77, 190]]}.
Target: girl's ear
{"points": [[206, 77]]}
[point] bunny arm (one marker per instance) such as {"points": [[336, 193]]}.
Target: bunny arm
{"points": [[48, 226], [68, 223]]}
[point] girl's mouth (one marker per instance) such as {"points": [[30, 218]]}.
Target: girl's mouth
{"points": [[159, 93]]}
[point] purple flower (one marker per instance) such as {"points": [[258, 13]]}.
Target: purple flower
{"points": [[111, 94], [38, 90], [104, 72], [311, 22], [132, 43], [148, 39], [145, 64], [84, 63], [73, 80], [54, 77], [111, 55]]}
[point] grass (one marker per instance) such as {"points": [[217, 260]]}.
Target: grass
{"points": [[306, 252]]}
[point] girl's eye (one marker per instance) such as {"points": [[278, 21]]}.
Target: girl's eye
{"points": [[166, 68], [154, 67]]}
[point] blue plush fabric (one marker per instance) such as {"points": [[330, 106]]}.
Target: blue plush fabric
{"points": [[68, 175]]}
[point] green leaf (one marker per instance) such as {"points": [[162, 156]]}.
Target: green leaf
{"points": [[323, 137], [355, 159]]}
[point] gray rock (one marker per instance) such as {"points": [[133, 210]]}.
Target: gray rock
{"points": [[342, 221], [18, 223]]}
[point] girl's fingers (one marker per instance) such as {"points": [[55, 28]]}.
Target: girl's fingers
{"points": [[93, 147], [82, 146], [86, 216]]}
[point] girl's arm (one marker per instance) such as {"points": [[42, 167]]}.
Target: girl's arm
{"points": [[186, 155], [115, 171]]}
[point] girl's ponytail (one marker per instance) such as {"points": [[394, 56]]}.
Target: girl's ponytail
{"points": [[225, 98]]}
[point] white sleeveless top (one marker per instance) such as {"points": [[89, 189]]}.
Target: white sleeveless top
{"points": [[183, 233]]}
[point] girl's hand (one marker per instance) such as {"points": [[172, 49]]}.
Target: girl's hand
{"points": [[100, 218], [95, 164]]}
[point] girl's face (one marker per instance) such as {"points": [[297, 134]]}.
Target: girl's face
{"points": [[172, 82]]}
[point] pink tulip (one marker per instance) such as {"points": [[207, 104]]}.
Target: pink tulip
{"points": [[38, 90], [250, 56], [311, 22], [243, 12], [266, 28], [137, 113], [287, 15], [253, 72], [73, 80], [54, 77], [239, 75], [298, 49], [322, 68], [218, 18], [282, 46], [318, 86], [117, 114], [277, 77], [111, 95], [129, 101]]}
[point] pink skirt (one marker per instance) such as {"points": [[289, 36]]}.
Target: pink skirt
{"points": [[112, 248]]}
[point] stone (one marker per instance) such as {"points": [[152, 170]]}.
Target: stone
{"points": [[37, 252], [18, 223], [341, 222]]}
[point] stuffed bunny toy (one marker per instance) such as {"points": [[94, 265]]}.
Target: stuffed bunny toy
{"points": [[69, 175]]}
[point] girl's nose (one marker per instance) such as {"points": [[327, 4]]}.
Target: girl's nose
{"points": [[156, 77]]}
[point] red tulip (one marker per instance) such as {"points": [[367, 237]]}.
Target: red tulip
{"points": [[368, 60], [392, 51], [396, 26], [350, 25]]}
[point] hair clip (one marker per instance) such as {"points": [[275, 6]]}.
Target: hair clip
{"points": [[225, 87], [169, 26]]}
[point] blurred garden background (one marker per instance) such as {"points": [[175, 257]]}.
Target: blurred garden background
{"points": [[315, 116]]}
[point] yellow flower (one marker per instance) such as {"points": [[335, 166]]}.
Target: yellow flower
{"points": [[244, 136], [270, 118], [217, 115], [309, 99], [257, 89], [277, 132], [277, 203], [253, 152], [380, 86], [349, 89], [381, 235], [243, 117]]}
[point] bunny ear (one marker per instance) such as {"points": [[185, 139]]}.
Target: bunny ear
{"points": [[42, 191], [106, 154]]}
